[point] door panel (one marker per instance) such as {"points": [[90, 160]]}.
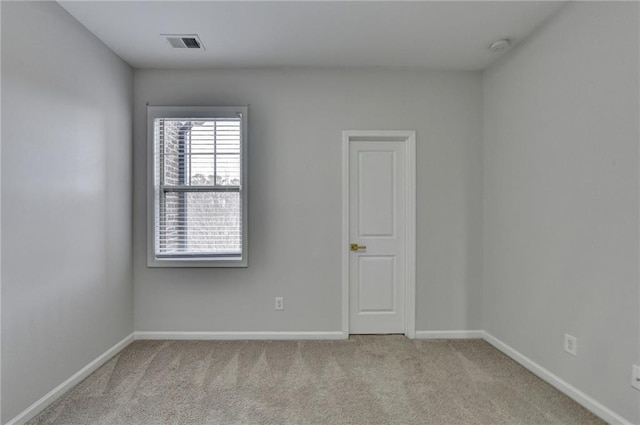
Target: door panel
{"points": [[376, 193], [377, 224], [376, 284]]}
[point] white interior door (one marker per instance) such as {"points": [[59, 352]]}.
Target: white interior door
{"points": [[377, 267]]}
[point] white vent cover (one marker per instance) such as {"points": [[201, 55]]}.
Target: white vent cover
{"points": [[184, 41]]}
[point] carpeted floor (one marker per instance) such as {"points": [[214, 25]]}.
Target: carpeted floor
{"points": [[365, 380]]}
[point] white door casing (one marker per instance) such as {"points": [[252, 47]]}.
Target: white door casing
{"points": [[379, 214]]}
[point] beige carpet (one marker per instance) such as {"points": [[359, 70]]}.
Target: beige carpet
{"points": [[365, 380]]}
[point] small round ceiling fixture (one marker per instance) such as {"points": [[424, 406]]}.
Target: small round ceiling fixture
{"points": [[500, 45]]}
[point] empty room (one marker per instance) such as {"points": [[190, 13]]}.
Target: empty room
{"points": [[320, 212]]}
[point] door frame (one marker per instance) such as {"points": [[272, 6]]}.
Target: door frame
{"points": [[408, 137]]}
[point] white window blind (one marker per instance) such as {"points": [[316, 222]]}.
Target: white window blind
{"points": [[198, 188]]}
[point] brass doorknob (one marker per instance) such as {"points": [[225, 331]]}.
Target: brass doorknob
{"points": [[356, 247]]}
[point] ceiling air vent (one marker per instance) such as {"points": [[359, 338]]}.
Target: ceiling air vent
{"points": [[184, 41]]}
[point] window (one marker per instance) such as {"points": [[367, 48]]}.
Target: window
{"points": [[197, 186]]}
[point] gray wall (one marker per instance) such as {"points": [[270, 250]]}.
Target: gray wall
{"points": [[295, 122], [66, 190], [561, 199]]}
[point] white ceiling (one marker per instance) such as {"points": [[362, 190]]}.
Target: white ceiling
{"points": [[438, 35]]}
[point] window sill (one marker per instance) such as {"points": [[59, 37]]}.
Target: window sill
{"points": [[196, 262]]}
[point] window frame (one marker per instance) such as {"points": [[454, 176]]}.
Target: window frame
{"points": [[156, 112]]}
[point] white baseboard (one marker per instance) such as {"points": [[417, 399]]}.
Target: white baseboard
{"points": [[449, 334], [240, 335], [589, 403], [58, 391]]}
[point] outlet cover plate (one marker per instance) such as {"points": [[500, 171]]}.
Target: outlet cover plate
{"points": [[280, 303], [635, 377], [571, 344]]}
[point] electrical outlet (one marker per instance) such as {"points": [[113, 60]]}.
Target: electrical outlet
{"points": [[635, 377], [571, 344], [279, 303]]}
